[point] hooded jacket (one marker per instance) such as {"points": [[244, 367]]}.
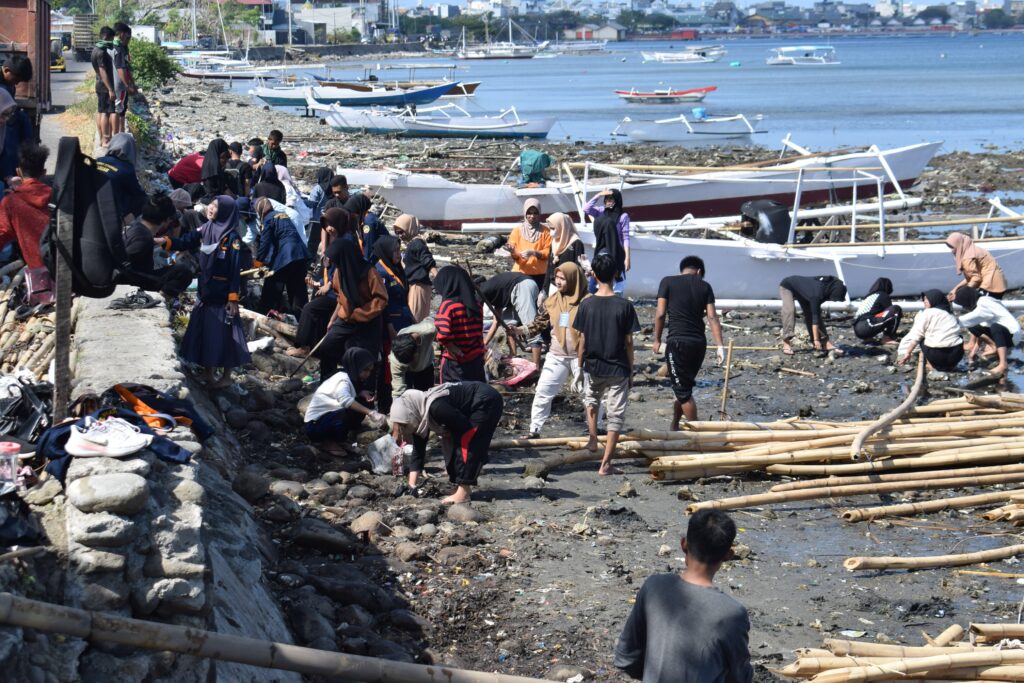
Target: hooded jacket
{"points": [[23, 216]]}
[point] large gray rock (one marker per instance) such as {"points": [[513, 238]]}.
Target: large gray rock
{"points": [[369, 523], [43, 493], [251, 484], [465, 513], [318, 534], [90, 561], [87, 467], [285, 487], [124, 493], [365, 594], [409, 551], [99, 529]]}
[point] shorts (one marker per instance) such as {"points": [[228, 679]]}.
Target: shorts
{"points": [[615, 391], [104, 103], [121, 103], [685, 359]]}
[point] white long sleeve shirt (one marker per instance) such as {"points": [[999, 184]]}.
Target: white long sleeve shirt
{"points": [[933, 327], [989, 311], [337, 393]]}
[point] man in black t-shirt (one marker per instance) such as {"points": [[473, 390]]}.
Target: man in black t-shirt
{"points": [[810, 293], [153, 222], [686, 298], [103, 68], [238, 171], [605, 324]]}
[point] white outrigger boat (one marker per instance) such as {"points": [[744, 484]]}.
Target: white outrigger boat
{"points": [[803, 55], [694, 129], [696, 54], [653, 193], [298, 95]]}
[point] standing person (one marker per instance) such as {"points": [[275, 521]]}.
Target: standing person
{"points": [[343, 401], [810, 293], [369, 227], [937, 330], [215, 338], [388, 251], [460, 327], [419, 263], [339, 193], [606, 323], [611, 232], [16, 69], [211, 173], [282, 250], [562, 362], [316, 200], [119, 167], [25, 212], [681, 628], [269, 185], [124, 81], [515, 293], [686, 298], [465, 415], [412, 367], [529, 244], [238, 171], [876, 314], [103, 70], [979, 269], [361, 300], [153, 222], [272, 151], [987, 319], [566, 247]]}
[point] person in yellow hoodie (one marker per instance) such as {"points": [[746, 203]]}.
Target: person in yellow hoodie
{"points": [[529, 244]]}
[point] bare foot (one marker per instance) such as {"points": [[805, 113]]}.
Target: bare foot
{"points": [[606, 470], [224, 382], [456, 498], [889, 341], [592, 445], [297, 352]]}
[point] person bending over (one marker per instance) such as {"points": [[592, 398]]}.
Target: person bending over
{"points": [[343, 400], [876, 314], [988, 321], [681, 628], [810, 293], [153, 223], [977, 266], [282, 250], [412, 367], [516, 293], [937, 330]]}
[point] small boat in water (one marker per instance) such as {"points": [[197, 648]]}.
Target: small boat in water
{"points": [[693, 129], [666, 95], [803, 55], [371, 79], [299, 95], [696, 54], [500, 50], [448, 120]]}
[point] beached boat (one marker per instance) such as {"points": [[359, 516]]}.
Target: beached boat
{"points": [[299, 95], [666, 95], [652, 194], [803, 55], [697, 54], [695, 128], [449, 120], [372, 79]]}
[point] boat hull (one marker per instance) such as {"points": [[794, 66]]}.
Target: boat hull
{"points": [[437, 127], [395, 98], [689, 133]]}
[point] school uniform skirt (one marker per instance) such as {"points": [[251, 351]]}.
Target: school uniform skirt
{"points": [[213, 340]]}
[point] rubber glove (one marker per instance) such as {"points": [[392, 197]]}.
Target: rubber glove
{"points": [[720, 352]]}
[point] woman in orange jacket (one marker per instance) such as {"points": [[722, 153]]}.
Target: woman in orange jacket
{"points": [[529, 244]]}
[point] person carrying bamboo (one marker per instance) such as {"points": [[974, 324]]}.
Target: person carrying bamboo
{"points": [[979, 269], [681, 628], [810, 293]]}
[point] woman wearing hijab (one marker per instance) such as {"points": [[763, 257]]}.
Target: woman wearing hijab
{"points": [[419, 263], [977, 266], [990, 323], [119, 167], [317, 314], [460, 327], [369, 226], [937, 330], [214, 338], [464, 414], [282, 250], [388, 251], [611, 232], [558, 314], [211, 173], [269, 185], [529, 244], [343, 400], [876, 314], [566, 247], [361, 300], [318, 196]]}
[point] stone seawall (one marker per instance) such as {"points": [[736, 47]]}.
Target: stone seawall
{"points": [[142, 537]]}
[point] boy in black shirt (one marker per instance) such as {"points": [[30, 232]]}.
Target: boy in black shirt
{"points": [[686, 298], [139, 241], [239, 172], [606, 324], [103, 68]]}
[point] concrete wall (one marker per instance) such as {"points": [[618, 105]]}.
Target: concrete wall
{"points": [[385, 49]]}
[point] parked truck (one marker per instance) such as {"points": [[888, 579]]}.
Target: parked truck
{"points": [[26, 25], [83, 36]]}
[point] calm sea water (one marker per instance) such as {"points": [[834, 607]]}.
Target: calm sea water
{"points": [[965, 90]]}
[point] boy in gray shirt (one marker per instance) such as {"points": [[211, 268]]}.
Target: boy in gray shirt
{"points": [[682, 629]]}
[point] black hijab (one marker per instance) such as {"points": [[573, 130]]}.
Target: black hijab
{"points": [[384, 249], [350, 266], [211, 160], [358, 204], [880, 289], [323, 179], [355, 361], [882, 284], [606, 234], [835, 289], [453, 283], [341, 220], [268, 174], [967, 298], [937, 299]]}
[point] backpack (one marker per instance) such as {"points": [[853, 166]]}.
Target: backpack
{"points": [[96, 254]]}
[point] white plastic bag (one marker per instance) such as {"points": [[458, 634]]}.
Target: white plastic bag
{"points": [[383, 452]]}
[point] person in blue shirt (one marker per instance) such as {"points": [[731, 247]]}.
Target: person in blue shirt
{"points": [[119, 167], [282, 250]]}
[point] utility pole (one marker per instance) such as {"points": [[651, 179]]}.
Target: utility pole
{"points": [[195, 32]]}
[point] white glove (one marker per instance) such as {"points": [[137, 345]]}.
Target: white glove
{"points": [[376, 419], [720, 352], [577, 382], [541, 298]]}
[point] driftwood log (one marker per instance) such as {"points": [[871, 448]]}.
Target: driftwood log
{"points": [[856, 450]]}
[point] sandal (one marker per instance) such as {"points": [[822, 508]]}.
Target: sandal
{"points": [[136, 300]]}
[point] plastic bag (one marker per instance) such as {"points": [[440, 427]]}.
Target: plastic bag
{"points": [[384, 452]]}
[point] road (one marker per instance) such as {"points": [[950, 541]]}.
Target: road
{"points": [[62, 95]]}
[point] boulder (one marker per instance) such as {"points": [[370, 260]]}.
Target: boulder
{"points": [[43, 493], [318, 534], [285, 487], [465, 513], [409, 551], [100, 529], [251, 484], [369, 523], [124, 493]]}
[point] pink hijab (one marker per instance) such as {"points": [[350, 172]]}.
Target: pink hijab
{"points": [[963, 248]]}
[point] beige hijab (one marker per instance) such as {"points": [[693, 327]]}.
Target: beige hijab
{"points": [[409, 223], [559, 303], [530, 233], [413, 408], [963, 249], [565, 232]]}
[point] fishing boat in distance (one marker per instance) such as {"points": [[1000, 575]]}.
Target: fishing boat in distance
{"points": [[371, 79], [444, 121], [300, 95], [696, 54], [803, 55], [665, 95], [693, 129], [500, 50]]}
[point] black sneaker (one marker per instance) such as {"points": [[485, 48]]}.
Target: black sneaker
{"points": [[136, 300]]}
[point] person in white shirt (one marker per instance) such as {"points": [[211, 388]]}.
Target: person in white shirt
{"points": [[937, 330], [989, 323], [342, 401]]}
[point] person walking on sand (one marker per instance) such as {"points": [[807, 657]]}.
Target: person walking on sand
{"points": [[465, 415], [810, 293], [605, 324], [681, 628], [937, 330], [686, 298], [979, 268], [876, 314], [988, 321], [529, 244]]}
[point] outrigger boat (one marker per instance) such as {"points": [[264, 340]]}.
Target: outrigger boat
{"points": [[299, 95], [653, 193], [692, 129], [501, 50], [803, 55], [697, 54], [371, 80], [666, 95]]}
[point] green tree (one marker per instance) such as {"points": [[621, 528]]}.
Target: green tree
{"points": [[659, 22], [151, 65], [934, 12], [996, 18], [631, 19]]}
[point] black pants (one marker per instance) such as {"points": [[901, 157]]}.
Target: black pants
{"points": [[342, 336], [468, 371], [293, 278], [470, 413], [684, 361], [943, 358], [313, 320], [997, 333], [171, 280], [313, 243], [422, 380], [885, 323]]}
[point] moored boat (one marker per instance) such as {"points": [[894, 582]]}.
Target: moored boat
{"points": [[695, 128], [803, 55], [665, 95], [299, 95], [696, 54]]}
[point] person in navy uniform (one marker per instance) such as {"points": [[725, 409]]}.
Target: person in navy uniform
{"points": [[214, 338], [282, 249]]}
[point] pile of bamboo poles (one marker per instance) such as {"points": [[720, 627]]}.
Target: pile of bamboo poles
{"points": [[946, 657], [24, 344]]}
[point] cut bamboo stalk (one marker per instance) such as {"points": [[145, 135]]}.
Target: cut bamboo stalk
{"points": [[920, 462], [1014, 516], [954, 633], [996, 632], [898, 476], [958, 560], [954, 503], [920, 665], [998, 513], [854, 490], [794, 371], [843, 648], [725, 382], [856, 450], [283, 328], [805, 667]]}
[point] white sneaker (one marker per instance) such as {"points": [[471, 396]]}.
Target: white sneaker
{"points": [[111, 438]]}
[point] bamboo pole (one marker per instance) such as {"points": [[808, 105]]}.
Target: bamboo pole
{"points": [[270, 323], [843, 648], [794, 371], [958, 560], [996, 632], [893, 415], [919, 462], [954, 503], [725, 382], [920, 665], [853, 490], [96, 626], [1000, 512], [954, 633], [805, 667], [899, 476]]}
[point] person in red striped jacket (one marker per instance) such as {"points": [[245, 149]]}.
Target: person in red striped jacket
{"points": [[459, 324]]}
